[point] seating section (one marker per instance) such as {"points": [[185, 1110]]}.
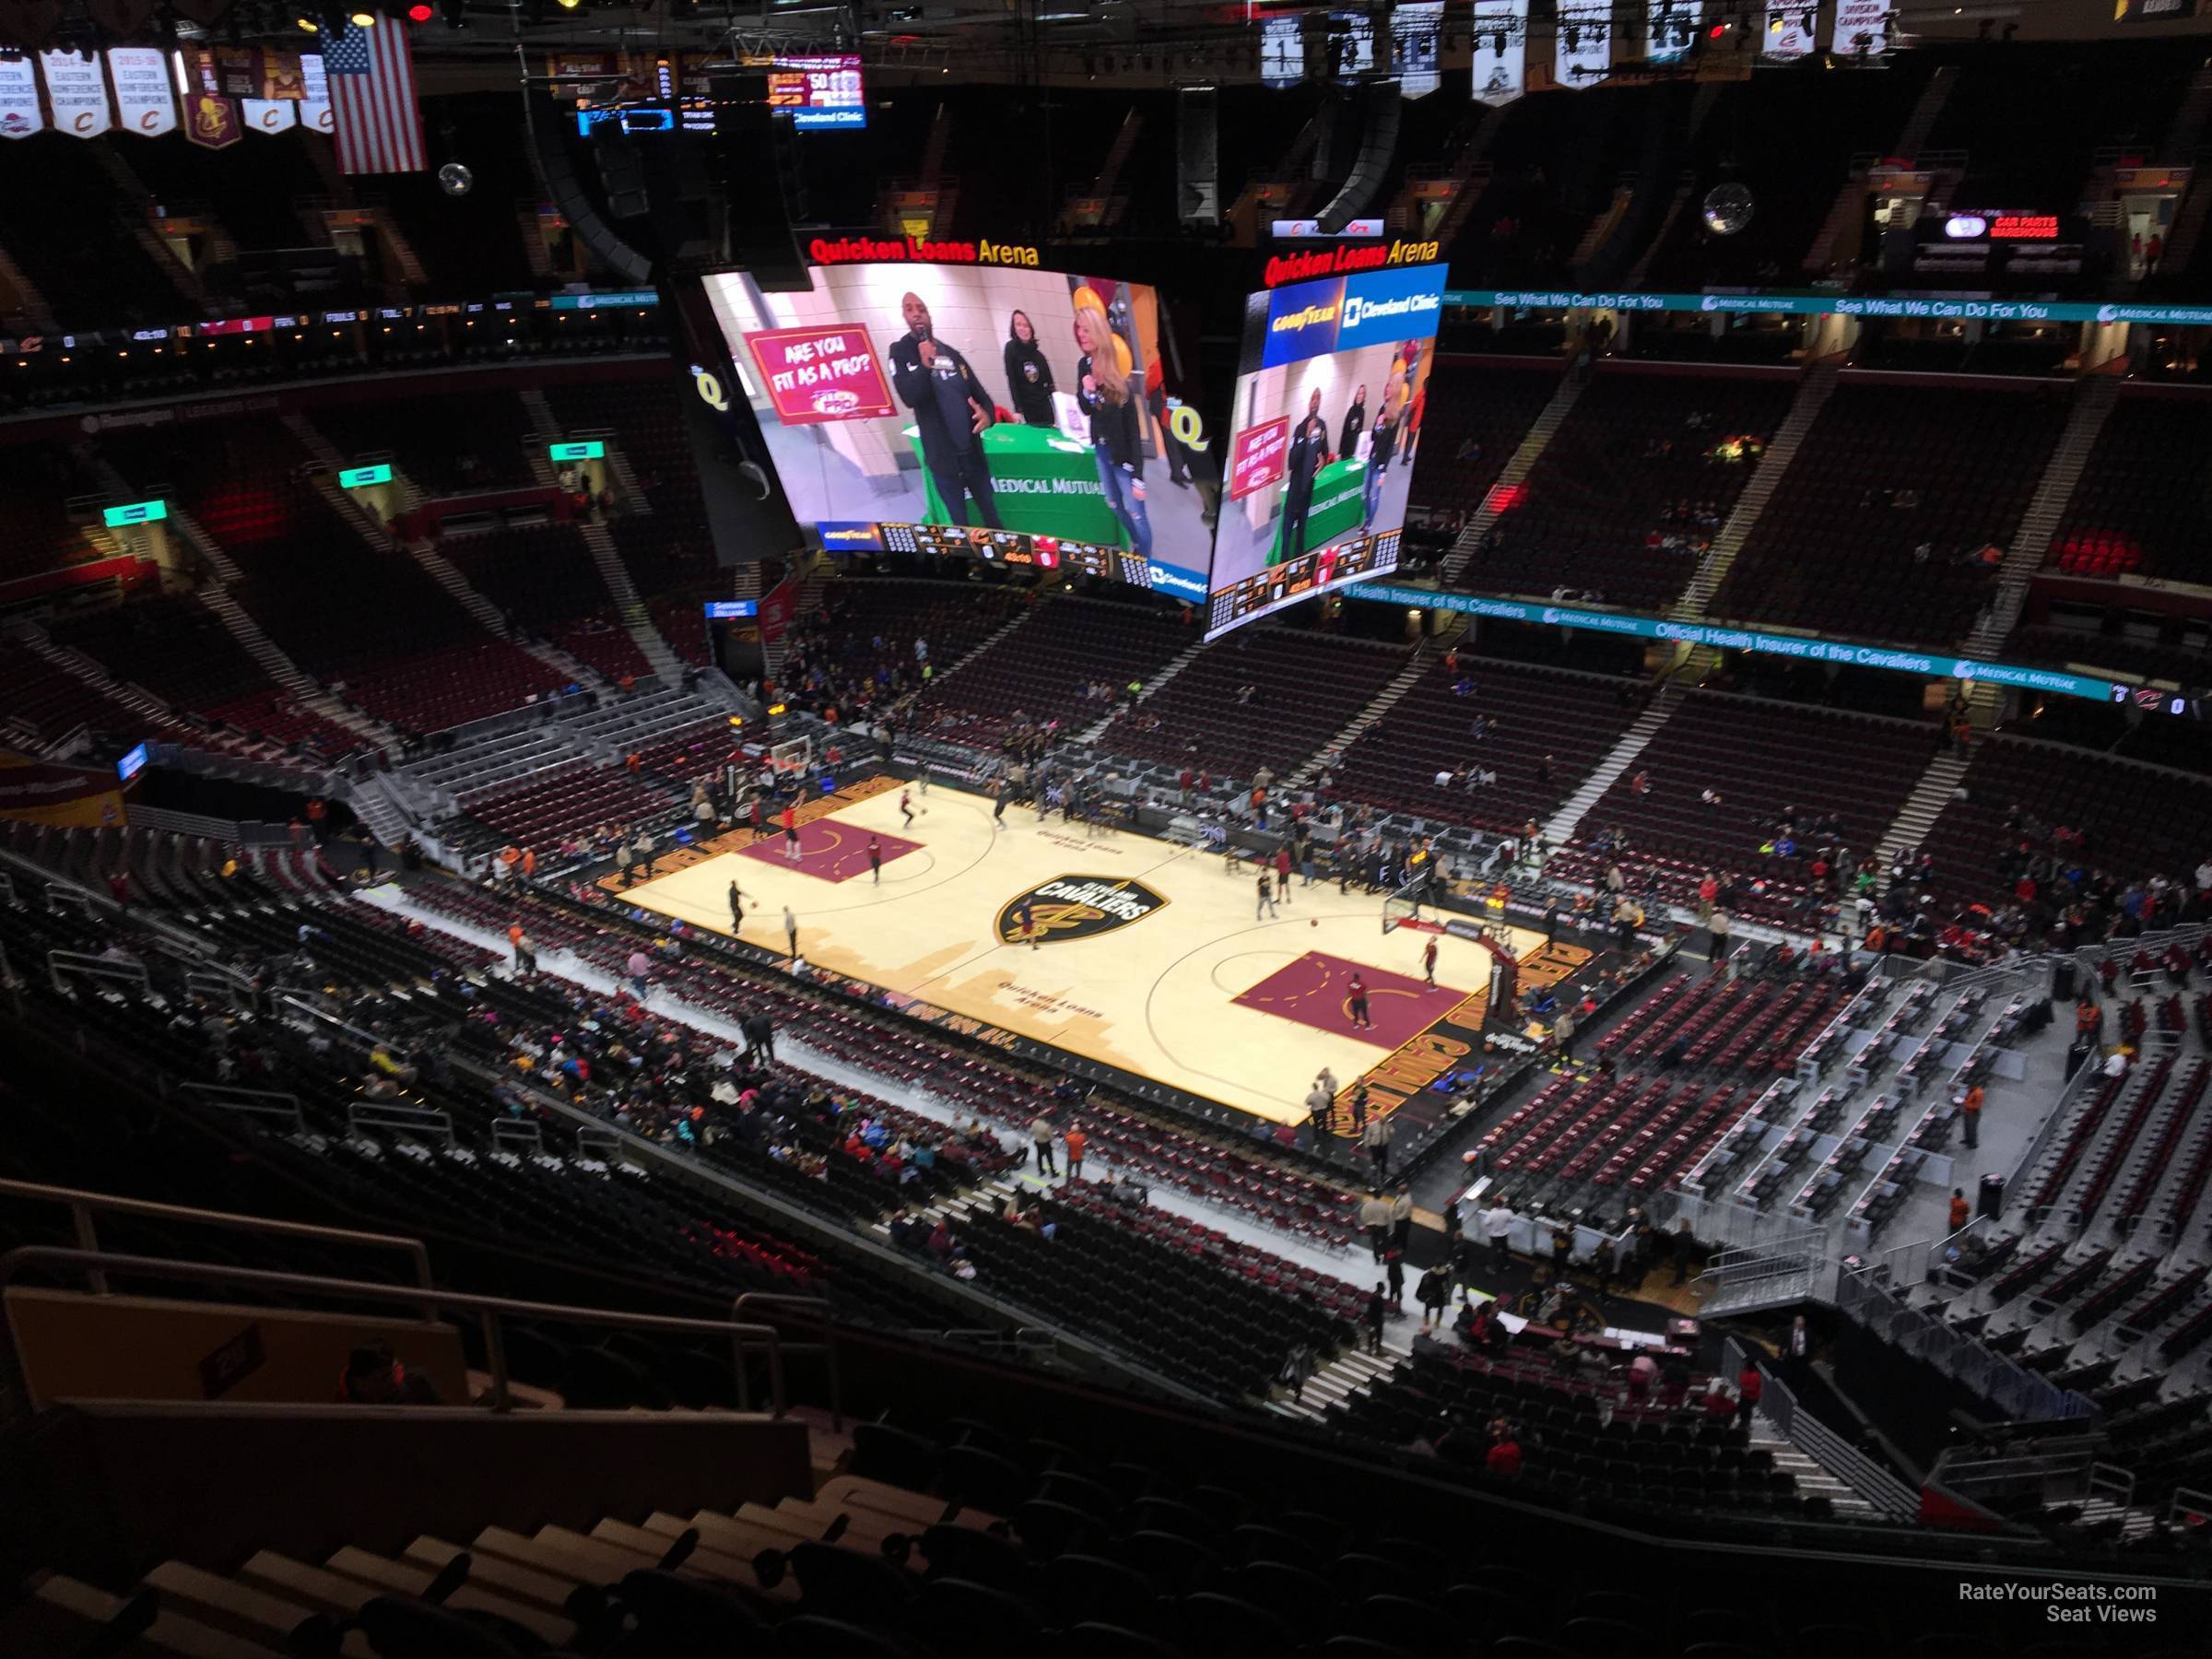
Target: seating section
{"points": [[43, 705], [36, 482], [544, 579], [446, 445], [1879, 526], [179, 649], [1043, 672], [2117, 823], [863, 654], [1838, 779], [257, 206], [2141, 509], [401, 647], [99, 275], [1479, 411], [1538, 723], [1631, 489], [1262, 696]]}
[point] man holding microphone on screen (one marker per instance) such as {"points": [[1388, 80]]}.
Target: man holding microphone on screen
{"points": [[951, 409]]}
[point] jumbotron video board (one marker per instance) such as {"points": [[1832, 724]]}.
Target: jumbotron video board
{"points": [[958, 398], [1332, 387]]}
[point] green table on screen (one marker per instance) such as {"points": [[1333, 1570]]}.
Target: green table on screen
{"points": [[1045, 483], [1336, 509]]}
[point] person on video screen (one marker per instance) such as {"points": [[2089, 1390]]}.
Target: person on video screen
{"points": [[1308, 446], [1380, 452], [951, 409], [1116, 443], [1028, 376], [1354, 423]]}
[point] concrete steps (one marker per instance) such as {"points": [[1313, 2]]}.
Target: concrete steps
{"points": [[1335, 1383], [1922, 122], [1813, 393], [1923, 807], [1532, 444], [637, 621], [1383, 701], [448, 576], [1813, 1480], [2039, 525], [1561, 826], [1096, 732]]}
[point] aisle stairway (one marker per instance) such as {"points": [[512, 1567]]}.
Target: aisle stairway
{"points": [[1923, 807], [1561, 826], [1329, 752], [1534, 442], [2093, 401], [1812, 394]]}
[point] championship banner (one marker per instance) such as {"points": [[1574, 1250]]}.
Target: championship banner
{"points": [[268, 114], [1862, 29], [76, 91], [1415, 33], [314, 96], [21, 113], [1789, 32], [1581, 43], [1500, 45], [145, 101], [237, 70], [211, 121], [1669, 29]]}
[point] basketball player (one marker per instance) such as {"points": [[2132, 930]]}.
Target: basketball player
{"points": [[876, 865], [906, 808], [1359, 1005], [1429, 959], [791, 931], [999, 805], [791, 831], [1266, 905], [1028, 918], [738, 897], [759, 817]]}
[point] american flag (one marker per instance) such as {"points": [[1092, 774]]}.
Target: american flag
{"points": [[373, 96]]}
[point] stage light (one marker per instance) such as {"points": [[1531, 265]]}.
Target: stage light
{"points": [[364, 19], [1717, 32], [306, 26], [420, 13]]}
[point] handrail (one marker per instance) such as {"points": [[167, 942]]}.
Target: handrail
{"points": [[489, 1309], [757, 1299], [84, 1205]]}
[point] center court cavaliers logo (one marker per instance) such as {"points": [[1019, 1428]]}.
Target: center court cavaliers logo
{"points": [[1075, 907]]}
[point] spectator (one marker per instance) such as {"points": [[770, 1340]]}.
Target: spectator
{"points": [[1076, 1141], [1041, 1136], [1749, 1385], [1375, 1215], [1378, 1310], [1503, 1462], [1434, 1294], [1498, 1226]]}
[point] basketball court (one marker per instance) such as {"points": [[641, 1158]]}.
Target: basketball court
{"points": [[1127, 950]]}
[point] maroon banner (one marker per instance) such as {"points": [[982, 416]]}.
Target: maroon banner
{"points": [[211, 121]]}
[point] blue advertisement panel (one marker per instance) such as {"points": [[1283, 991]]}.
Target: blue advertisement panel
{"points": [[1301, 321], [1391, 305], [1927, 664]]}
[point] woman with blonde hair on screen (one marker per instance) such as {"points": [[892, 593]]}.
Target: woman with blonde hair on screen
{"points": [[1117, 441]]}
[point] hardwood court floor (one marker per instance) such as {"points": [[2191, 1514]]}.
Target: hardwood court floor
{"points": [[1144, 948]]}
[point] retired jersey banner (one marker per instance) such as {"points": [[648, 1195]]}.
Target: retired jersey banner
{"points": [[1862, 29], [1500, 49], [211, 121], [1415, 39], [1282, 52], [268, 114], [21, 113], [314, 96], [1789, 32], [145, 104], [1670, 27], [1581, 43], [76, 91]]}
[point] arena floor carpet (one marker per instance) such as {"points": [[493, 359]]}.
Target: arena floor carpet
{"points": [[1117, 947]]}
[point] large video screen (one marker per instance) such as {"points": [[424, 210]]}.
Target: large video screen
{"points": [[1330, 394], [1021, 417]]}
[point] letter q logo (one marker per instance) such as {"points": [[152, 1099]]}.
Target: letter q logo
{"points": [[1186, 427], [708, 385]]}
